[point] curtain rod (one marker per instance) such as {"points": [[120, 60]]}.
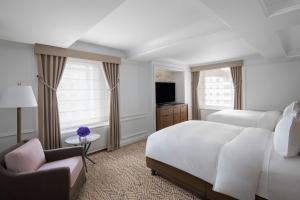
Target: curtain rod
{"points": [[217, 65], [58, 51]]}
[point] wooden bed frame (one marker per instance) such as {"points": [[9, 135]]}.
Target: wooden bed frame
{"points": [[187, 181]]}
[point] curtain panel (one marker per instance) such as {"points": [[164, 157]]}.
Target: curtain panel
{"points": [[196, 115], [50, 70], [236, 74], [111, 71]]}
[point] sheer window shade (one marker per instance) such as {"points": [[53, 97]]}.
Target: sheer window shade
{"points": [[216, 90], [83, 95]]}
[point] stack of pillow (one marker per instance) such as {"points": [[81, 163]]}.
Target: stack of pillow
{"points": [[287, 132]]}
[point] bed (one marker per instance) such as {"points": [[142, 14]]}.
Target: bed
{"points": [[180, 154], [247, 118]]}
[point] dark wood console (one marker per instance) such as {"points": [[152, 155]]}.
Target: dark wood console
{"points": [[168, 115]]}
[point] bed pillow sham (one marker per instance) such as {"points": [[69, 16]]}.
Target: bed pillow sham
{"points": [[287, 135], [293, 107]]}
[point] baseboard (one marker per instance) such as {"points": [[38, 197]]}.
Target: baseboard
{"points": [[142, 135], [134, 138], [97, 149]]}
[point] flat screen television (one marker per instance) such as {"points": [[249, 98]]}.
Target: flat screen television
{"points": [[165, 92]]}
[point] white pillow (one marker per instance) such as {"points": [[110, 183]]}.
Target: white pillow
{"points": [[293, 107], [287, 135]]}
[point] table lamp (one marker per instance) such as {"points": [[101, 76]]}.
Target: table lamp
{"points": [[18, 97]]}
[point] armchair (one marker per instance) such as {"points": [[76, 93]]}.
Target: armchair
{"points": [[60, 177]]}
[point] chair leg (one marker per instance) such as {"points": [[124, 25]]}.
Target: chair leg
{"points": [[153, 172]]}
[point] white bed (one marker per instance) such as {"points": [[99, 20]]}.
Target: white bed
{"points": [[247, 118], [204, 150]]}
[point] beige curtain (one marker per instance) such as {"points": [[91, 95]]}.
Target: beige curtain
{"points": [[236, 73], [112, 76], [50, 70], [195, 104]]}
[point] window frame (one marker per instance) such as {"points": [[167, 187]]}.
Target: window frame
{"points": [[100, 123], [214, 107]]}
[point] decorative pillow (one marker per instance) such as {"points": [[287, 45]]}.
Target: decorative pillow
{"points": [[293, 107], [287, 135], [26, 158]]}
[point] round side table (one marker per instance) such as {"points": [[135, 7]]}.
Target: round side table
{"points": [[85, 142]]}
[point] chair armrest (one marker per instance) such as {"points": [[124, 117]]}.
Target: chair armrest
{"points": [[46, 184], [63, 153]]}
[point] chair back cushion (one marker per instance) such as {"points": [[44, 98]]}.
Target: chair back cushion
{"points": [[26, 158]]}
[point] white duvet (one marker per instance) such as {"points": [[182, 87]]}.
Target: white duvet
{"points": [[238, 161], [247, 118]]}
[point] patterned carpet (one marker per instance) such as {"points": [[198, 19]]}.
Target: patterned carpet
{"points": [[122, 175]]}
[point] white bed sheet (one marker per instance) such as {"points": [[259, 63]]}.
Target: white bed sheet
{"points": [[247, 118], [280, 177], [283, 177], [262, 187], [240, 163], [186, 146], [194, 146]]}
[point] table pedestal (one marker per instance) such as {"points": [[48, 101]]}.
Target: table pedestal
{"points": [[86, 148], [85, 142]]}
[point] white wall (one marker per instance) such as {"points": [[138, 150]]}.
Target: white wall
{"points": [[188, 91], [180, 87], [135, 101], [18, 64], [270, 85]]}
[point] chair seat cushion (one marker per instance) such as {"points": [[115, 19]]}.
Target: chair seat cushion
{"points": [[75, 165], [26, 158]]}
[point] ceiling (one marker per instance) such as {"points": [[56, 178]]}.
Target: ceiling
{"points": [[190, 31], [55, 22]]}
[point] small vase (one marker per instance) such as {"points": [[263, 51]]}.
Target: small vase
{"points": [[82, 139]]}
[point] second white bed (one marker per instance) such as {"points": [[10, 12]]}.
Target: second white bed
{"points": [[247, 118]]}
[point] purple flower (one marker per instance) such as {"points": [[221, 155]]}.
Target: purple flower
{"points": [[83, 131]]}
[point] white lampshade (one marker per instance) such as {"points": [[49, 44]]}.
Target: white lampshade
{"points": [[17, 97]]}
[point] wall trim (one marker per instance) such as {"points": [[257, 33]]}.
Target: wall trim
{"points": [[260, 61], [131, 117], [170, 65], [142, 135], [133, 135], [14, 133], [128, 61]]}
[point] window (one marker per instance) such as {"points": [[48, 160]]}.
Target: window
{"points": [[215, 89], [83, 95]]}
